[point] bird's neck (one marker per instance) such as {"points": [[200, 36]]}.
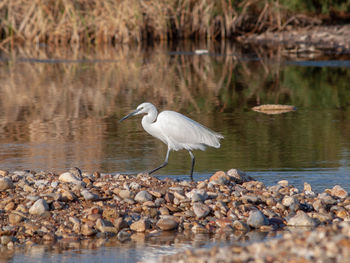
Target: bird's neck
{"points": [[150, 117]]}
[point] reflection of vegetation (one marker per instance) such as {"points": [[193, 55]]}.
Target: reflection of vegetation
{"points": [[80, 102], [93, 88]]}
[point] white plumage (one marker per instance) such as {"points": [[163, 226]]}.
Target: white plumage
{"points": [[176, 130]]}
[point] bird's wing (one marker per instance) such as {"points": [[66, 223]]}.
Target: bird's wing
{"points": [[183, 132]]}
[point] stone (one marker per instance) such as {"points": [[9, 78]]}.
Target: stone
{"points": [[86, 230], [125, 194], [301, 219], [123, 236], [105, 226], [15, 218], [238, 176], [88, 195], [219, 176], [283, 183], [68, 177], [167, 224], [140, 226], [5, 183], [338, 191], [143, 196], [39, 207], [201, 210], [288, 201], [257, 219]]}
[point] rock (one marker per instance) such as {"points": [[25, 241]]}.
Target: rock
{"points": [[301, 219], [338, 191], [140, 225], [105, 226], [200, 210], [307, 188], [68, 177], [88, 195], [15, 218], [125, 194], [238, 176], [167, 224], [123, 236], [143, 196], [327, 199], [223, 222], [257, 219], [39, 207], [220, 177], [4, 173], [283, 183], [5, 183], [86, 230], [199, 229], [288, 201]]}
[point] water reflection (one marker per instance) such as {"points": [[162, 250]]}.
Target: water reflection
{"points": [[141, 247], [60, 107]]}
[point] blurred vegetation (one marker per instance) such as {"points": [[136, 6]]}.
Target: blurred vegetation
{"points": [[62, 22]]}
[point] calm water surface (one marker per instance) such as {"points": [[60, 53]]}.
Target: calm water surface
{"points": [[60, 108]]}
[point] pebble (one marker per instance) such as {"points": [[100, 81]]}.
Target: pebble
{"points": [[200, 209], [143, 196], [167, 224], [257, 219], [39, 207], [105, 226], [89, 196], [124, 205], [301, 219], [338, 191], [69, 177], [5, 183], [140, 226]]}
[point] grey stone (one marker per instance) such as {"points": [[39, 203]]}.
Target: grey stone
{"points": [[39, 207], [5, 183], [88, 195], [201, 210], [301, 219], [257, 219], [143, 196]]}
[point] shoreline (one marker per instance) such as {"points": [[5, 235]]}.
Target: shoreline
{"points": [[312, 40], [47, 208]]}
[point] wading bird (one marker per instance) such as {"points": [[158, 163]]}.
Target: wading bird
{"points": [[175, 130]]}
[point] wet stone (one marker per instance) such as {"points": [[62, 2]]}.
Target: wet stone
{"points": [[257, 219], [167, 224], [140, 226]]}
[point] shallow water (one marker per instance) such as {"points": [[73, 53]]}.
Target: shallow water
{"points": [[60, 108]]}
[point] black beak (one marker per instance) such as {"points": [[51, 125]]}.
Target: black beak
{"points": [[129, 115]]}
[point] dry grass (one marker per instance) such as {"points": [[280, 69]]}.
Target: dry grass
{"points": [[62, 22]]}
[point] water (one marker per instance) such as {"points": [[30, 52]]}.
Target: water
{"points": [[60, 108]]}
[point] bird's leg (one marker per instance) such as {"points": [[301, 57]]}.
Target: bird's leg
{"points": [[163, 164], [193, 162]]}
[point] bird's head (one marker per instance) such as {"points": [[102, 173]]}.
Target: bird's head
{"points": [[142, 108]]}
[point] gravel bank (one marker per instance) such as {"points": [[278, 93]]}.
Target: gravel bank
{"points": [[46, 208]]}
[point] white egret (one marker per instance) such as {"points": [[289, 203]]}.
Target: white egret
{"points": [[175, 130]]}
